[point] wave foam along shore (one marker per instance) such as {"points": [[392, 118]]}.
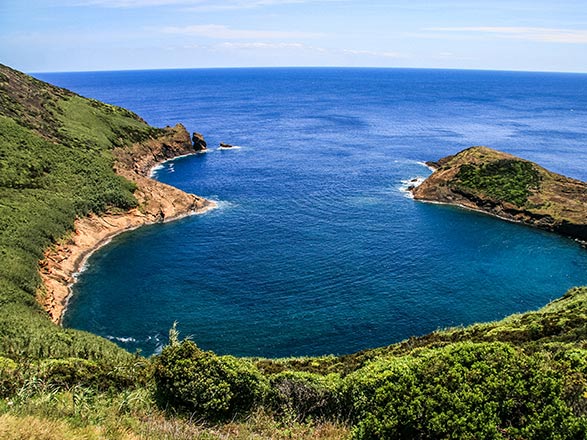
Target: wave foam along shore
{"points": [[161, 165], [407, 185], [425, 165]]}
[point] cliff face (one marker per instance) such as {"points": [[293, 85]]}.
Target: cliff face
{"points": [[173, 142], [508, 187], [158, 202]]}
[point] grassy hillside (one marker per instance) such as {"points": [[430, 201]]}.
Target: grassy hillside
{"points": [[55, 164], [524, 377]]}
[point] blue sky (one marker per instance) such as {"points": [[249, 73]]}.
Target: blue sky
{"points": [[71, 35]]}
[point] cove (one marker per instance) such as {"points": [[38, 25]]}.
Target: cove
{"points": [[316, 248]]}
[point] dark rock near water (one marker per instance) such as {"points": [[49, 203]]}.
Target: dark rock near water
{"points": [[199, 142], [440, 162], [223, 145]]}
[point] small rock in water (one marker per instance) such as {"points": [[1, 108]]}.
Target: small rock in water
{"points": [[198, 141], [223, 145]]}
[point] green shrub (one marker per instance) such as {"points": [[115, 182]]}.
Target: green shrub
{"points": [[65, 373], [362, 387], [465, 391], [574, 357], [56, 164], [209, 386], [506, 180], [10, 377], [301, 395], [75, 372]]}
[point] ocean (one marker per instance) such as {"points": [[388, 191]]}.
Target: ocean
{"points": [[316, 247]]}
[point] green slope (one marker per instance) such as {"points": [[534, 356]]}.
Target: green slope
{"points": [[55, 164], [509, 187]]}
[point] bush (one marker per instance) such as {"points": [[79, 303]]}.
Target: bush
{"points": [[465, 390], [306, 395], [75, 372], [362, 387], [508, 180], [56, 164], [209, 386], [10, 377]]}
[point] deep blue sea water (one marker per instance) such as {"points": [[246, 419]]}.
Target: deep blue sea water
{"points": [[315, 248]]}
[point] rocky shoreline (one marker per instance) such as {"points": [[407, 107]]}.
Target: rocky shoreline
{"points": [[510, 188], [158, 203]]}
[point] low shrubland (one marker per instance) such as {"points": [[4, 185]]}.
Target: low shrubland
{"points": [[506, 180], [471, 382], [56, 164]]}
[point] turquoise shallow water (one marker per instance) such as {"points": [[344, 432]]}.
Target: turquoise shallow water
{"points": [[315, 247]]}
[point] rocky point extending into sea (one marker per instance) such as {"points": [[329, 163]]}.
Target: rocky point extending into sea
{"points": [[508, 187]]}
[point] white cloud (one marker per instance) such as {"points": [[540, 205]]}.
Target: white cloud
{"points": [[543, 35], [221, 32], [254, 46], [451, 56], [240, 4], [372, 53], [193, 4], [135, 3], [284, 46]]}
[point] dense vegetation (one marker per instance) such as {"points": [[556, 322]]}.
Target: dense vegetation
{"points": [[524, 378], [521, 378], [506, 179]]}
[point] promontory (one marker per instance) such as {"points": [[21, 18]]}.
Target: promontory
{"points": [[508, 187]]}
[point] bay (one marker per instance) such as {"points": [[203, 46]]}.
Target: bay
{"points": [[316, 248]]}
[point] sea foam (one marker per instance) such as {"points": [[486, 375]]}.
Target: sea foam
{"points": [[121, 339], [424, 164], [155, 170], [407, 184]]}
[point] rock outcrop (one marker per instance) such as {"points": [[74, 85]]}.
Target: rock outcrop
{"points": [[199, 142], [156, 199], [511, 188]]}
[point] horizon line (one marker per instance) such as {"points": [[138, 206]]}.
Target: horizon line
{"points": [[309, 67]]}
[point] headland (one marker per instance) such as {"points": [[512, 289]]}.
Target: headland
{"points": [[510, 188]]}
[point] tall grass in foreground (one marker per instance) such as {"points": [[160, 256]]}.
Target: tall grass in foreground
{"points": [[521, 378], [38, 411]]}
